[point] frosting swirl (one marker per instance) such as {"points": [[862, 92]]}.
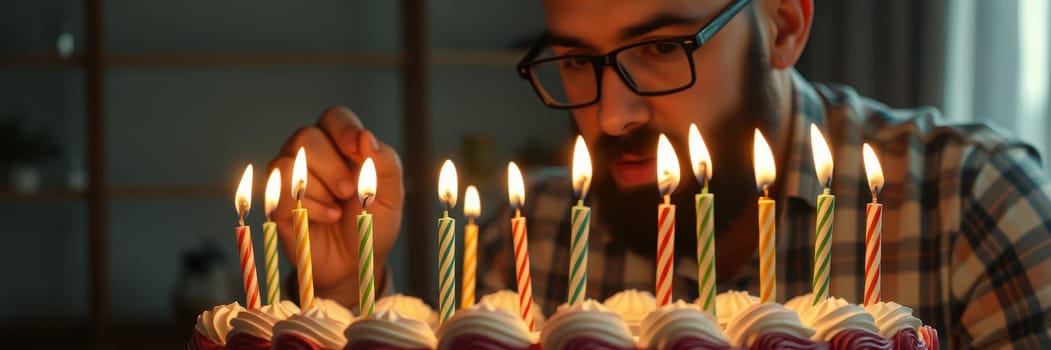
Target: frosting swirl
{"points": [[588, 319], [929, 336], [260, 322], [508, 300], [892, 317], [409, 307], [390, 328], [728, 304], [677, 321], [486, 322], [323, 326], [801, 304], [835, 315], [759, 319], [859, 339], [908, 339], [633, 306], [214, 324], [781, 341]]}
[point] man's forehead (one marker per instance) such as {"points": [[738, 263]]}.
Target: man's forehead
{"points": [[598, 21]]}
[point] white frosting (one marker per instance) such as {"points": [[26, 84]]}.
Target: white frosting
{"points": [[678, 320], [391, 328], [214, 324], [728, 304], [335, 309], [835, 315], [322, 325], [633, 306], [508, 300], [892, 317], [759, 319], [260, 322], [801, 304], [588, 318], [409, 307], [486, 320]]}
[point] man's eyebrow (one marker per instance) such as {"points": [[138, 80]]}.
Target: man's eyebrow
{"points": [[554, 39], [654, 23]]}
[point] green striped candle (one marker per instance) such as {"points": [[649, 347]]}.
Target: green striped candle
{"points": [[826, 204], [447, 190], [366, 273], [705, 210], [580, 224], [273, 276]]}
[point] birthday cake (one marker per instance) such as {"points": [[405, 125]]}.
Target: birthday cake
{"points": [[627, 320]]}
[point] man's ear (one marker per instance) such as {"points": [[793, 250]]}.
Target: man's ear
{"points": [[789, 27]]}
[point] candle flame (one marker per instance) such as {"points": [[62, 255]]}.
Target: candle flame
{"points": [[447, 187], [367, 183], [273, 192], [515, 186], [243, 198], [472, 205], [299, 175], [667, 166], [822, 156], [581, 168], [763, 159], [873, 169], [699, 157]]}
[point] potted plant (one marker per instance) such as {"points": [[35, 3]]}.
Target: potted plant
{"points": [[21, 153]]}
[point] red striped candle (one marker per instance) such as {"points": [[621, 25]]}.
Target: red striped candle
{"points": [[524, 281], [873, 228], [667, 181], [242, 202]]}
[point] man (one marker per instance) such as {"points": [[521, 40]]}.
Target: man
{"points": [[967, 210]]}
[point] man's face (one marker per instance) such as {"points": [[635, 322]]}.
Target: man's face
{"points": [[622, 126]]}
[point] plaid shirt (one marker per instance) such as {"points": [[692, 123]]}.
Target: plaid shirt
{"points": [[967, 216]]}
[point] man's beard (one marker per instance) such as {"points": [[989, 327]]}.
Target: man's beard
{"points": [[630, 214]]}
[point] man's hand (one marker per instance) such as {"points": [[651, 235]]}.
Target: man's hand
{"points": [[335, 149]]}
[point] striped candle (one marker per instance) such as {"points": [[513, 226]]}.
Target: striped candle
{"points": [[304, 266], [706, 250], [701, 161], [873, 228], [826, 204], [366, 278], [665, 251], [524, 280], [873, 252], [472, 208], [273, 276], [580, 223], [765, 175], [446, 267], [248, 273], [243, 202], [447, 191], [667, 180]]}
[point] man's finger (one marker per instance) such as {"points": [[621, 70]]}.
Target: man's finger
{"points": [[323, 160], [344, 128]]}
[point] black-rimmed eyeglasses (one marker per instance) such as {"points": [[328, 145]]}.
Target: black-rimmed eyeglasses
{"points": [[649, 68]]}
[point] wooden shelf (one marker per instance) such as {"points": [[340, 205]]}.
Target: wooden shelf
{"points": [[44, 60]]}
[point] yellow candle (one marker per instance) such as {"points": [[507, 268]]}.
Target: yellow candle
{"points": [[472, 209], [301, 227], [765, 174]]}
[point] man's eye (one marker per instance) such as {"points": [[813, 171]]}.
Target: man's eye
{"points": [[575, 62], [662, 48]]}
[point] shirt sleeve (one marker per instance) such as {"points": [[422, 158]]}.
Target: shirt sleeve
{"points": [[1001, 268]]}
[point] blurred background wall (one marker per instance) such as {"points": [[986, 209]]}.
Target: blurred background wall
{"points": [[195, 90]]}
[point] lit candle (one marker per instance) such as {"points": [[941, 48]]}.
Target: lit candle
{"points": [[447, 189], [516, 195], [472, 209], [826, 204], [300, 219], [366, 276], [243, 202], [273, 275], [581, 223], [765, 173], [667, 181], [873, 228], [705, 208]]}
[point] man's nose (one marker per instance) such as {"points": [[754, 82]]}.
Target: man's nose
{"points": [[620, 110]]}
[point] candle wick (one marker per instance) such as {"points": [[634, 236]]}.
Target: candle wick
{"points": [[667, 199], [240, 218], [580, 202], [446, 213], [874, 198], [766, 190], [518, 213], [299, 202], [828, 190], [470, 220]]}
